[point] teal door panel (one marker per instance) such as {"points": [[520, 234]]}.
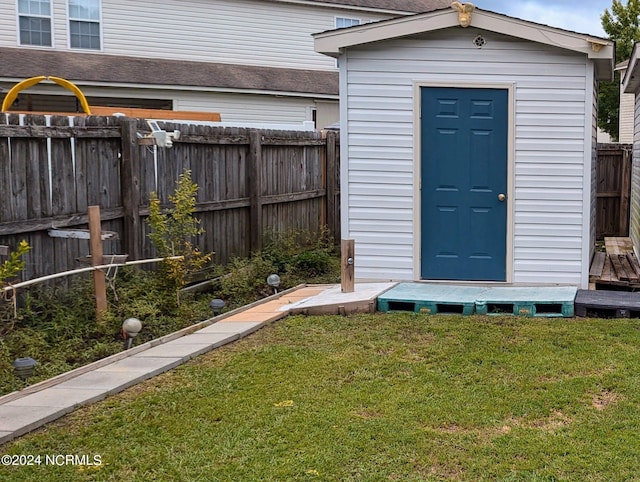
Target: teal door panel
{"points": [[464, 173]]}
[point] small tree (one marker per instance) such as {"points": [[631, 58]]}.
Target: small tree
{"points": [[12, 266], [10, 269], [174, 229], [621, 24]]}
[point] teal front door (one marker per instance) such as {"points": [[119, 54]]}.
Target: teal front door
{"points": [[464, 183]]}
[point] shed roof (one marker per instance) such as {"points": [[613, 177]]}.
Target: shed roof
{"points": [[631, 79], [600, 50], [92, 69]]}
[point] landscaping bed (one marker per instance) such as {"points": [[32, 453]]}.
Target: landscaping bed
{"points": [[59, 329]]}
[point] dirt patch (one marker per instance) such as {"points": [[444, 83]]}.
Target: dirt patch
{"points": [[604, 399], [554, 421], [367, 414]]}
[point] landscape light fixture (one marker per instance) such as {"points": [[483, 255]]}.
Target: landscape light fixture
{"points": [[273, 280], [23, 367], [130, 329], [216, 306]]}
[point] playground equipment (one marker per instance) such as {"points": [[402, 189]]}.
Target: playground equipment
{"points": [[12, 95]]}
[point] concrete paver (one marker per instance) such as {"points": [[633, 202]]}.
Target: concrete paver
{"points": [[254, 316], [22, 419], [184, 351], [213, 339], [111, 382], [59, 397], [229, 326], [136, 364]]}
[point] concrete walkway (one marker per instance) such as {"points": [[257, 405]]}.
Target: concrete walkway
{"points": [[28, 409]]}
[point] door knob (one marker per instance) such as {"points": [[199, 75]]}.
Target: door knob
{"points": [[501, 197]]}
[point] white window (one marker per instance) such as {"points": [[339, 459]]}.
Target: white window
{"points": [[344, 22], [34, 22], [84, 24]]}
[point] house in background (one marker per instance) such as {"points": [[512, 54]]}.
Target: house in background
{"points": [[468, 152], [625, 115], [249, 60]]}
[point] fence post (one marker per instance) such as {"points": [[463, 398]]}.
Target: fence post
{"points": [[255, 189], [625, 191], [95, 240], [130, 188], [347, 273]]}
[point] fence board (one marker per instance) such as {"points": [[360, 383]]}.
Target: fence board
{"points": [[249, 182], [613, 173]]}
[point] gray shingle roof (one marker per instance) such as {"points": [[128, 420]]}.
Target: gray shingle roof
{"points": [[416, 6], [77, 67]]}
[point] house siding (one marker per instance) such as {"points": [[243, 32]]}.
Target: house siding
{"points": [[591, 184], [230, 31], [634, 228], [551, 163], [627, 105], [244, 108], [232, 107]]}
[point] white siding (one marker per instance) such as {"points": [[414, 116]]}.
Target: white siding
{"points": [[247, 107], [634, 228], [590, 184], [627, 102], [550, 135], [247, 32], [8, 24]]}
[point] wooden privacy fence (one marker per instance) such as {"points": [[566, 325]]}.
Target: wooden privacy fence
{"points": [[250, 182], [613, 190]]}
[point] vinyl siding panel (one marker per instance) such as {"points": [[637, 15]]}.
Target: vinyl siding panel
{"points": [[8, 24], [248, 32], [634, 228], [247, 107], [551, 131], [627, 104]]}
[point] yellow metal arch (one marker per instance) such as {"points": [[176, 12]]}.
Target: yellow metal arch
{"points": [[25, 84]]}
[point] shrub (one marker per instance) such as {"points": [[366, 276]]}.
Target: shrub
{"points": [[173, 230]]}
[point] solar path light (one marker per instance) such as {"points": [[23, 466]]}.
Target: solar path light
{"points": [[23, 367], [216, 306], [273, 280], [130, 329]]}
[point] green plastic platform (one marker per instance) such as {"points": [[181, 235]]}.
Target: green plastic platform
{"points": [[555, 301]]}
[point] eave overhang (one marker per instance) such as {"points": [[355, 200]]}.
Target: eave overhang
{"points": [[601, 51]]}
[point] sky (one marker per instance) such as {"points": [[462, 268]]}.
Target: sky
{"points": [[581, 16]]}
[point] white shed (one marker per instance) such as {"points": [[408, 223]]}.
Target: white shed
{"points": [[468, 153]]}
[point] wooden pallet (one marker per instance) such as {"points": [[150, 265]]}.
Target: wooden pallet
{"points": [[604, 303], [618, 266], [531, 301], [426, 298], [430, 299]]}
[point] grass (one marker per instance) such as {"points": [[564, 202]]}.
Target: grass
{"points": [[373, 397]]}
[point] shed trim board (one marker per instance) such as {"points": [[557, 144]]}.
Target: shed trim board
{"points": [[418, 162]]}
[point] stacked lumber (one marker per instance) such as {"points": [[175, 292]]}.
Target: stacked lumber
{"points": [[617, 266]]}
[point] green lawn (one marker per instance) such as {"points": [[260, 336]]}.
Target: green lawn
{"points": [[373, 397]]}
